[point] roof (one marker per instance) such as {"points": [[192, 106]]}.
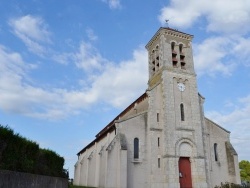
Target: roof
{"points": [[111, 126], [217, 125], [168, 29]]}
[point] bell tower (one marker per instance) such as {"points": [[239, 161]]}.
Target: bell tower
{"points": [[175, 133]]}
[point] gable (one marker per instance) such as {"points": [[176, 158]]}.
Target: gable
{"points": [[216, 129]]}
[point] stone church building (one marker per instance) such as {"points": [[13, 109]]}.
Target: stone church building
{"points": [[162, 139]]}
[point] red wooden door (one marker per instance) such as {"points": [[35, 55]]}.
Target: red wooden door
{"points": [[185, 173]]}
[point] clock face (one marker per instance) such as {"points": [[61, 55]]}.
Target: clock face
{"points": [[181, 86]]}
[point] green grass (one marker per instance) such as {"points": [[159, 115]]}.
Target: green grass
{"points": [[75, 186]]}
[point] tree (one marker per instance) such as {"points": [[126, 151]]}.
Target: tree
{"points": [[244, 170]]}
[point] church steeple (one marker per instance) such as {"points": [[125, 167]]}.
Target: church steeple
{"points": [[173, 96], [169, 49]]}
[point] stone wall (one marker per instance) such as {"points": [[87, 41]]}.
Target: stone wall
{"points": [[11, 179], [226, 168]]}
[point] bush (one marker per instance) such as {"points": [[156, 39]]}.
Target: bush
{"points": [[19, 154], [49, 163], [232, 185]]}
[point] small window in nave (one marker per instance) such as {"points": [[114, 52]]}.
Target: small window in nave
{"points": [[136, 148], [215, 152]]}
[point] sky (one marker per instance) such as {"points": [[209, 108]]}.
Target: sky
{"points": [[68, 67]]}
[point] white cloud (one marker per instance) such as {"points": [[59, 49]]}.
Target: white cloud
{"points": [[118, 84], [220, 15], [12, 73], [113, 4], [221, 55], [91, 35], [237, 121], [229, 17], [113, 84], [88, 58], [32, 31], [62, 58], [32, 27], [209, 54], [19, 96], [181, 13], [241, 48]]}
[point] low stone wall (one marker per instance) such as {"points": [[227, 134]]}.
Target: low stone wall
{"points": [[11, 179]]}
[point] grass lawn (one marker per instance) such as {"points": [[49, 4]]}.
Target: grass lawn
{"points": [[75, 186]]}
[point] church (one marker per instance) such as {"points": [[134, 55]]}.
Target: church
{"points": [[162, 139]]}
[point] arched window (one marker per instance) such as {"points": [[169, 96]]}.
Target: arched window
{"points": [[136, 148], [172, 46], [182, 57], [153, 61], [180, 48], [215, 152], [174, 55], [182, 112]]}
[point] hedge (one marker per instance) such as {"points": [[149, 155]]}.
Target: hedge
{"points": [[20, 154]]}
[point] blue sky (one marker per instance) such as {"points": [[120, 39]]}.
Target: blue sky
{"points": [[68, 67]]}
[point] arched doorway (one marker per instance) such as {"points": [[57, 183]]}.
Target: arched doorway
{"points": [[185, 151], [185, 176]]}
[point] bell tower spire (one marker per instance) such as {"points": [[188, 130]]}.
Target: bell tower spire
{"points": [[174, 115], [169, 49]]}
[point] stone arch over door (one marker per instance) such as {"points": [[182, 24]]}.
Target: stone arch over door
{"points": [[185, 150]]}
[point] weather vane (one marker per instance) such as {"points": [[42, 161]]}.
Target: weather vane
{"points": [[167, 22]]}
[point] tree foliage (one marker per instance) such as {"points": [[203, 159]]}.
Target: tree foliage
{"points": [[20, 154], [244, 170]]}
